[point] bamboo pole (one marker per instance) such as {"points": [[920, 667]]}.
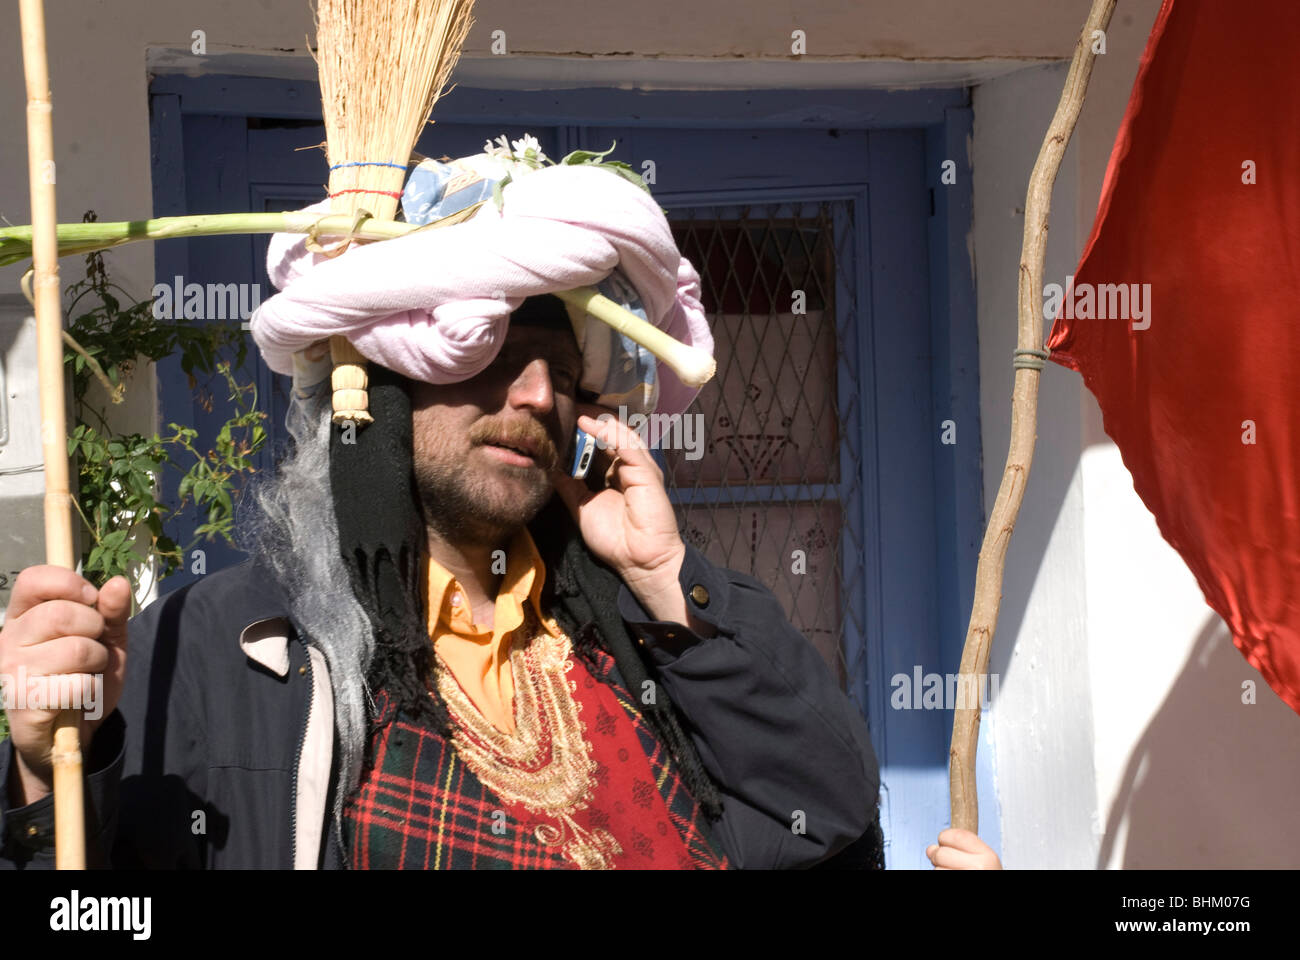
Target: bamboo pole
{"points": [[1028, 363], [77, 238], [69, 817]]}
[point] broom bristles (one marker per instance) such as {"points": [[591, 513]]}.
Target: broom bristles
{"points": [[382, 65]]}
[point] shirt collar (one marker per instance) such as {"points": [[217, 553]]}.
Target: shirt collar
{"points": [[524, 578]]}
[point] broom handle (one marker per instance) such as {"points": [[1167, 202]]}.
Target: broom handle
{"points": [[69, 822], [350, 382], [1024, 415], [694, 366]]}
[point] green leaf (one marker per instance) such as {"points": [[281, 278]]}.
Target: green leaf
{"points": [[141, 485], [587, 156], [143, 463], [125, 557], [627, 173]]}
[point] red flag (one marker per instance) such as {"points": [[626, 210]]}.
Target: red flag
{"points": [[1195, 367]]}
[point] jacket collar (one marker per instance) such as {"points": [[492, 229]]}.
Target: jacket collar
{"points": [[268, 626], [266, 642]]}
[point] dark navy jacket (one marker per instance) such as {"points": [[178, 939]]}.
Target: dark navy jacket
{"points": [[208, 762]]}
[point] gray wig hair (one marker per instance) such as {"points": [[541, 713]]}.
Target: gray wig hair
{"points": [[292, 530]]}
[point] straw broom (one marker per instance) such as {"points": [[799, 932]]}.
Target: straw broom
{"points": [[1027, 363], [69, 822], [382, 67]]}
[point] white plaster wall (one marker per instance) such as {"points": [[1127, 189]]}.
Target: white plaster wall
{"points": [[1042, 719], [1188, 775]]}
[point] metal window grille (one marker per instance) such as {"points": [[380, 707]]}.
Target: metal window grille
{"points": [[774, 490]]}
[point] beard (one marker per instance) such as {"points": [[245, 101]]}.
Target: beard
{"points": [[465, 502]]}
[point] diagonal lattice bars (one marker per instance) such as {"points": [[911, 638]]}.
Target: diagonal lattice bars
{"points": [[775, 461]]}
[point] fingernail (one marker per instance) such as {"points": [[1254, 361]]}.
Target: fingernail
{"points": [[89, 593]]}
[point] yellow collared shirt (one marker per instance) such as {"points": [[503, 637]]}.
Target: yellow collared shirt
{"points": [[478, 657]]}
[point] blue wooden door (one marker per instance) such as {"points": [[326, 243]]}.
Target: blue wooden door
{"points": [[818, 471]]}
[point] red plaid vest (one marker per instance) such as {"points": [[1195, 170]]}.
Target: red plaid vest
{"points": [[620, 805]]}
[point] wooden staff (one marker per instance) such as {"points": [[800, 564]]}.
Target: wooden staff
{"points": [[1028, 362], [69, 821]]}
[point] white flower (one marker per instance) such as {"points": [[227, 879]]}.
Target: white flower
{"points": [[501, 151], [523, 158], [529, 150]]}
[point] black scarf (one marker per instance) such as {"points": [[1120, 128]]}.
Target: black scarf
{"points": [[381, 539]]}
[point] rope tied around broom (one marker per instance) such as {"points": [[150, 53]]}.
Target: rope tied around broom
{"points": [[369, 163], [1029, 359], [396, 194]]}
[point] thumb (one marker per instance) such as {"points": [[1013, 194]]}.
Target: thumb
{"points": [[114, 604]]}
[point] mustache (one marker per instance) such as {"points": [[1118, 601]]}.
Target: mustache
{"points": [[518, 433]]}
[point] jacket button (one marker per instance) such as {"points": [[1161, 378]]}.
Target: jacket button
{"points": [[302, 671], [700, 595], [672, 636], [33, 830]]}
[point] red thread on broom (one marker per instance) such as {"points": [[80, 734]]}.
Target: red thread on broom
{"points": [[384, 193]]}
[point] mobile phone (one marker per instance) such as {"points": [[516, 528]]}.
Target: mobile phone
{"points": [[584, 451]]}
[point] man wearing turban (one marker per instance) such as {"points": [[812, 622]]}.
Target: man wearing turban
{"points": [[444, 651]]}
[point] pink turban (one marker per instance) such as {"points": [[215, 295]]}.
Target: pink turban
{"points": [[434, 305]]}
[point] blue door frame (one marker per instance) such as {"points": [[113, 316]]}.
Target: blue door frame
{"points": [[913, 339]]}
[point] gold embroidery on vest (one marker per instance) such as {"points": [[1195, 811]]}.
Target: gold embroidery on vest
{"points": [[545, 766]]}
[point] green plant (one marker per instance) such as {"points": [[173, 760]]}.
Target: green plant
{"points": [[118, 474]]}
